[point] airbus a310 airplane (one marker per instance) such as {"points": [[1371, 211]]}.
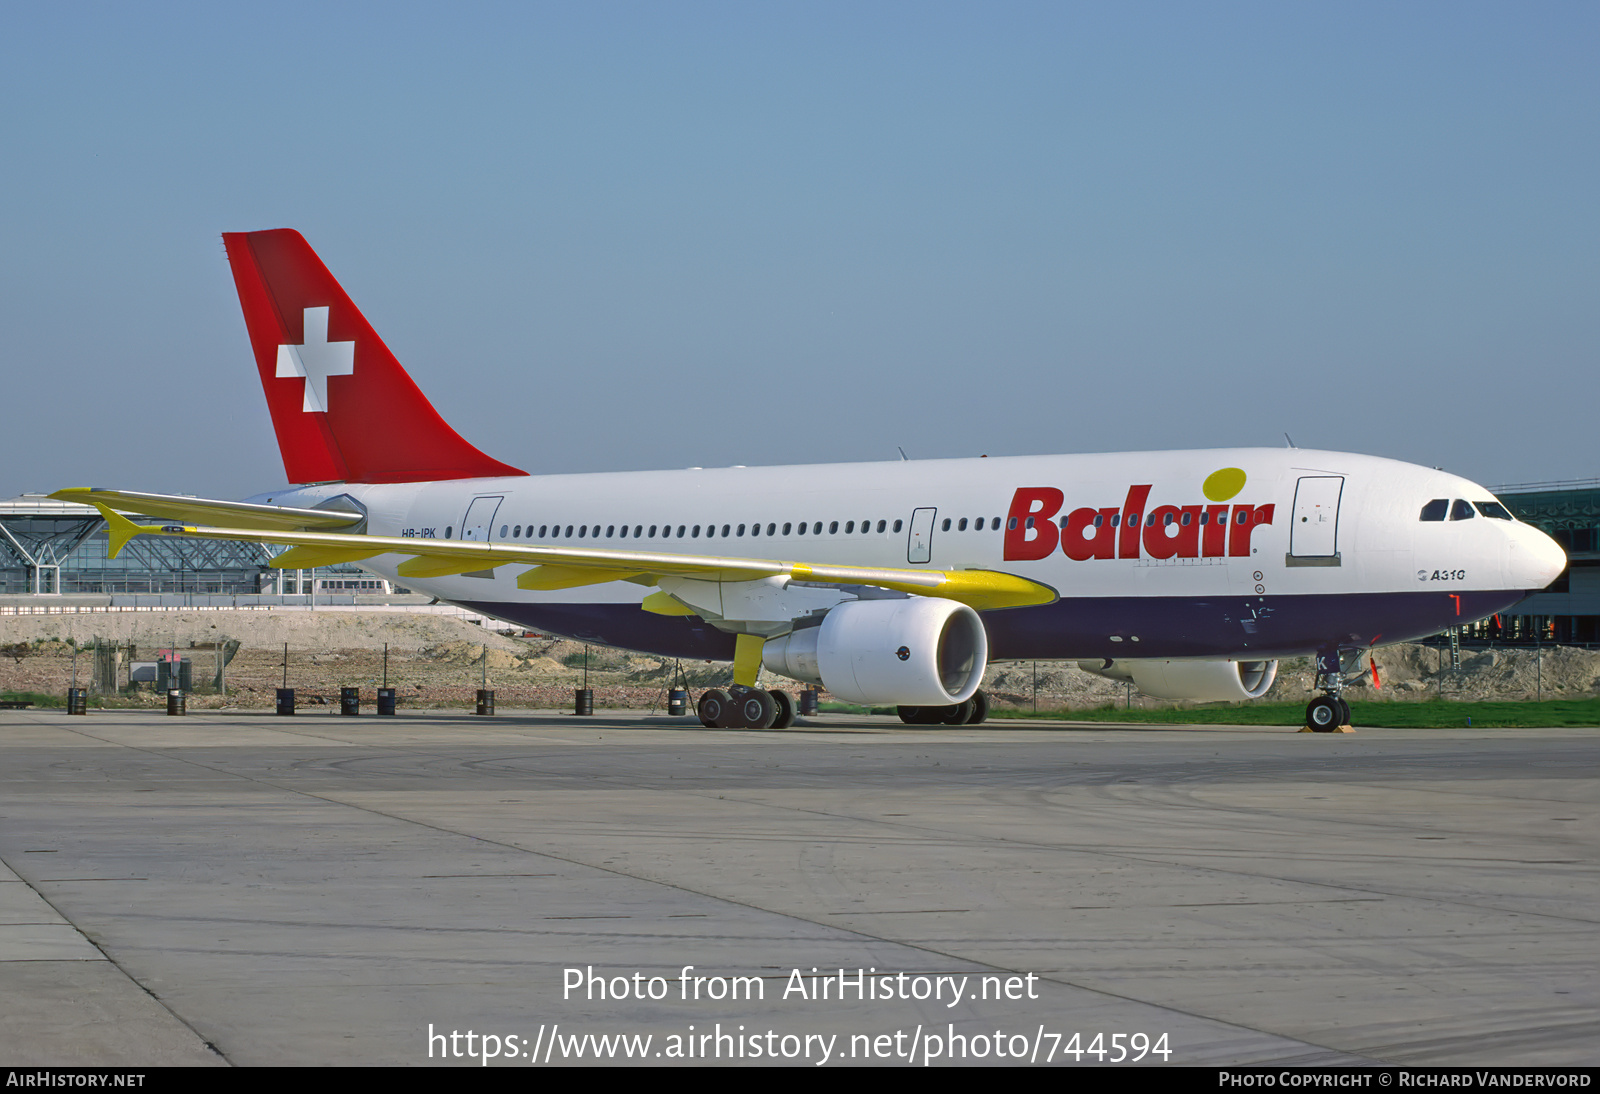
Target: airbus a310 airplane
{"points": [[1188, 573]]}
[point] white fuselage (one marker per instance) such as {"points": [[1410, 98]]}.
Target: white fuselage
{"points": [[1230, 552]]}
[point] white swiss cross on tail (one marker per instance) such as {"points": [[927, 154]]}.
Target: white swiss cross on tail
{"points": [[316, 359]]}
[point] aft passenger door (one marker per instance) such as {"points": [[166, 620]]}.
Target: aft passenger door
{"points": [[479, 521], [919, 547], [1314, 536]]}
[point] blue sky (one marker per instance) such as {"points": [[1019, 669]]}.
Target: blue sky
{"points": [[612, 236]]}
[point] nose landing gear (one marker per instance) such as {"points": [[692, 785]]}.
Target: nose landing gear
{"points": [[1328, 712]]}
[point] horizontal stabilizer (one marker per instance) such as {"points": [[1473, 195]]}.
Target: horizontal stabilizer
{"points": [[236, 514]]}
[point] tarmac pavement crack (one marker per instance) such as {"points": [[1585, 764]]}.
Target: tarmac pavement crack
{"points": [[114, 963]]}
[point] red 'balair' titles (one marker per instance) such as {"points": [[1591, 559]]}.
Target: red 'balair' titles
{"points": [[1031, 532], [1166, 531]]}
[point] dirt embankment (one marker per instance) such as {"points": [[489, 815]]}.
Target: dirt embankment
{"points": [[436, 660]]}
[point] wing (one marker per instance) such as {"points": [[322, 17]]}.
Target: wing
{"points": [[548, 567]]}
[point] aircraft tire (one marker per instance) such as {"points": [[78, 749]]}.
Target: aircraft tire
{"points": [[714, 708], [980, 708], [755, 709], [1323, 714], [958, 715], [784, 718], [1344, 712]]}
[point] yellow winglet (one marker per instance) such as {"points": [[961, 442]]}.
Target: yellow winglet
{"points": [[120, 530]]}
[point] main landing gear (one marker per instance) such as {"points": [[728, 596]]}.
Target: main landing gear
{"points": [[746, 708], [1328, 712], [974, 711]]}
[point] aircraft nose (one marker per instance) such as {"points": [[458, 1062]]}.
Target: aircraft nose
{"points": [[1536, 559]]}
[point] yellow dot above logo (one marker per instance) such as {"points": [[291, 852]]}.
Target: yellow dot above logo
{"points": [[1224, 484]]}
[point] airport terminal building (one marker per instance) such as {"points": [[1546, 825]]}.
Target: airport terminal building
{"points": [[50, 547], [1568, 612]]}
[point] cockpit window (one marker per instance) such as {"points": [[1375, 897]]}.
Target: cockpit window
{"points": [[1435, 509], [1494, 510], [1461, 511]]}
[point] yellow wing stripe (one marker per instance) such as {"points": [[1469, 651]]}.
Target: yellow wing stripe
{"points": [[661, 602], [568, 577], [431, 565]]}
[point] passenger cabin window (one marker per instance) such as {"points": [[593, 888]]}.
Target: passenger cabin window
{"points": [[1461, 511]]}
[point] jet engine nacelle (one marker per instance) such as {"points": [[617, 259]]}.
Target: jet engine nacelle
{"points": [[1201, 681], [921, 651]]}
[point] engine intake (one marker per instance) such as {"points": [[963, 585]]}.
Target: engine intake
{"points": [[921, 651]]}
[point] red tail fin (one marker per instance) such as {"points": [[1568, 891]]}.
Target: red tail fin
{"points": [[342, 406]]}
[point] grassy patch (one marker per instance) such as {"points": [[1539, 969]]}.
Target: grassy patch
{"points": [[38, 699], [1436, 714]]}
